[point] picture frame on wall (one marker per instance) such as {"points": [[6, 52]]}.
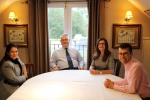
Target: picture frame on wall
{"points": [[126, 33], [17, 34]]}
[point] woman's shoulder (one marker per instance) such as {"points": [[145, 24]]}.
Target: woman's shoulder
{"points": [[111, 55], [8, 63]]}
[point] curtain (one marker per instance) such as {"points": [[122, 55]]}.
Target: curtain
{"points": [[96, 25], [38, 36]]}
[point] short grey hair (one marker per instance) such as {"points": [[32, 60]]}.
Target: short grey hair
{"points": [[64, 35]]}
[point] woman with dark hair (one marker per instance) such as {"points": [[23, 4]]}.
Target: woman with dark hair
{"points": [[12, 72], [103, 59]]}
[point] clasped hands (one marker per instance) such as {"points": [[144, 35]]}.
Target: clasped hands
{"points": [[109, 84]]}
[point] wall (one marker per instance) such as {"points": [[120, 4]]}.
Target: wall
{"points": [[21, 10], [115, 11], [146, 54]]}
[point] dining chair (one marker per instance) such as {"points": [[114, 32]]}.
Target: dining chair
{"points": [[117, 66], [29, 67]]}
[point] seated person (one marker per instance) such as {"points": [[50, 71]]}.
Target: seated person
{"points": [[60, 60], [135, 79], [12, 72], [103, 59]]}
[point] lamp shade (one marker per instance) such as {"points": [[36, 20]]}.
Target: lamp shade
{"points": [[11, 15], [129, 14]]}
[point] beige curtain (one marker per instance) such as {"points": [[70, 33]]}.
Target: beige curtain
{"points": [[38, 36], [96, 25]]}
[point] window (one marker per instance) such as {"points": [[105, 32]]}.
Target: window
{"points": [[70, 18]]}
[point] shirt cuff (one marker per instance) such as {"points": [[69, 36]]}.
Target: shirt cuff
{"points": [[81, 65], [115, 87], [54, 66]]}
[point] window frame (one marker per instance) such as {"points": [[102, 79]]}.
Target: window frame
{"points": [[67, 17]]}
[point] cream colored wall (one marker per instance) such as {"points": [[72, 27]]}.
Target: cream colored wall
{"points": [[114, 14], [21, 10]]}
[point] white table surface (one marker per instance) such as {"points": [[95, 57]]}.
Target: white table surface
{"points": [[69, 85]]}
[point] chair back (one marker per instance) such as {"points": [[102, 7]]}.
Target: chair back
{"points": [[29, 67], [117, 66]]}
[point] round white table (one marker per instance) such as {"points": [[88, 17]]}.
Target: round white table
{"points": [[69, 85]]}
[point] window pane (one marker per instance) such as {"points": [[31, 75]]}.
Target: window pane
{"points": [[80, 29], [56, 26]]}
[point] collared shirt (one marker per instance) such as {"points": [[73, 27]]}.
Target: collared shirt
{"points": [[135, 80], [59, 58]]}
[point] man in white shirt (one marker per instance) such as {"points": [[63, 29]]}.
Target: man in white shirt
{"points": [[59, 60]]}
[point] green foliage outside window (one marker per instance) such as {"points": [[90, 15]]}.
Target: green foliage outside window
{"points": [[56, 22]]}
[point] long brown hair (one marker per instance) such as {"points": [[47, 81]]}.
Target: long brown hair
{"points": [[97, 52]]}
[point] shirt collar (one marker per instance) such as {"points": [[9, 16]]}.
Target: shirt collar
{"points": [[65, 48]]}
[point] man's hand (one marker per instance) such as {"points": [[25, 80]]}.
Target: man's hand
{"points": [[55, 69], [109, 84], [81, 68]]}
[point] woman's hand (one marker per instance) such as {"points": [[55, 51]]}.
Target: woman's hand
{"points": [[93, 71], [24, 71]]}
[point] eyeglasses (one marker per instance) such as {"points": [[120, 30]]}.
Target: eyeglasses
{"points": [[123, 54], [101, 44], [64, 40]]}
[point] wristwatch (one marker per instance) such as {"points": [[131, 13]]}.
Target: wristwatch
{"points": [[101, 72]]}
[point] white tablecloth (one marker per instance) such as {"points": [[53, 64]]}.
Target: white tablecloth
{"points": [[69, 85]]}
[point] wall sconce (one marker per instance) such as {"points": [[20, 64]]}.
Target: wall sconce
{"points": [[13, 17], [128, 16]]}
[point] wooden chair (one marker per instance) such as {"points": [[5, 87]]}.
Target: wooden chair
{"points": [[29, 67], [117, 66]]}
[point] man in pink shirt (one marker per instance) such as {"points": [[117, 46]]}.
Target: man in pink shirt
{"points": [[135, 80]]}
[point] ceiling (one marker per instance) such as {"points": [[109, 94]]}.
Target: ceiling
{"points": [[5, 3], [142, 5]]}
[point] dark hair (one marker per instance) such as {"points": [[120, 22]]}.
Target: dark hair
{"points": [[126, 45], [6, 56], [98, 52]]}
